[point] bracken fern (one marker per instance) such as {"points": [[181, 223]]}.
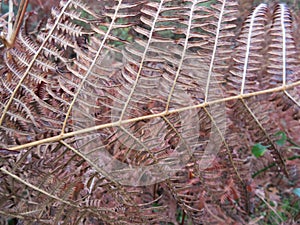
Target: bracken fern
{"points": [[128, 112]]}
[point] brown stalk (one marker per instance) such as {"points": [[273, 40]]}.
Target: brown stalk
{"points": [[10, 40]]}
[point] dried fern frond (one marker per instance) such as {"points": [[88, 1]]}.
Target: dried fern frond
{"points": [[129, 112]]}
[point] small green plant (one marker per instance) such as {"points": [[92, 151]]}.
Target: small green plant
{"points": [[277, 206], [259, 150]]}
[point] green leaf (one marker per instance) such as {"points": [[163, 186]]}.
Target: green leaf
{"points": [[283, 138], [259, 150], [296, 191]]}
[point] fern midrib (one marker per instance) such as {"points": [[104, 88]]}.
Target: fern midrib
{"points": [[266, 135], [182, 56], [90, 68], [162, 114], [142, 61], [212, 61], [257, 12]]}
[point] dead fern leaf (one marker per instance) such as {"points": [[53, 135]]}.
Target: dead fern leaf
{"points": [[114, 106]]}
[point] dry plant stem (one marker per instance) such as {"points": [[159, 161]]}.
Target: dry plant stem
{"points": [[267, 203], [211, 66], [36, 188], [64, 201], [142, 61], [90, 129], [12, 33], [12, 215], [266, 134], [214, 215], [99, 170], [226, 146], [10, 20], [31, 65], [182, 56], [54, 131], [90, 69]]}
